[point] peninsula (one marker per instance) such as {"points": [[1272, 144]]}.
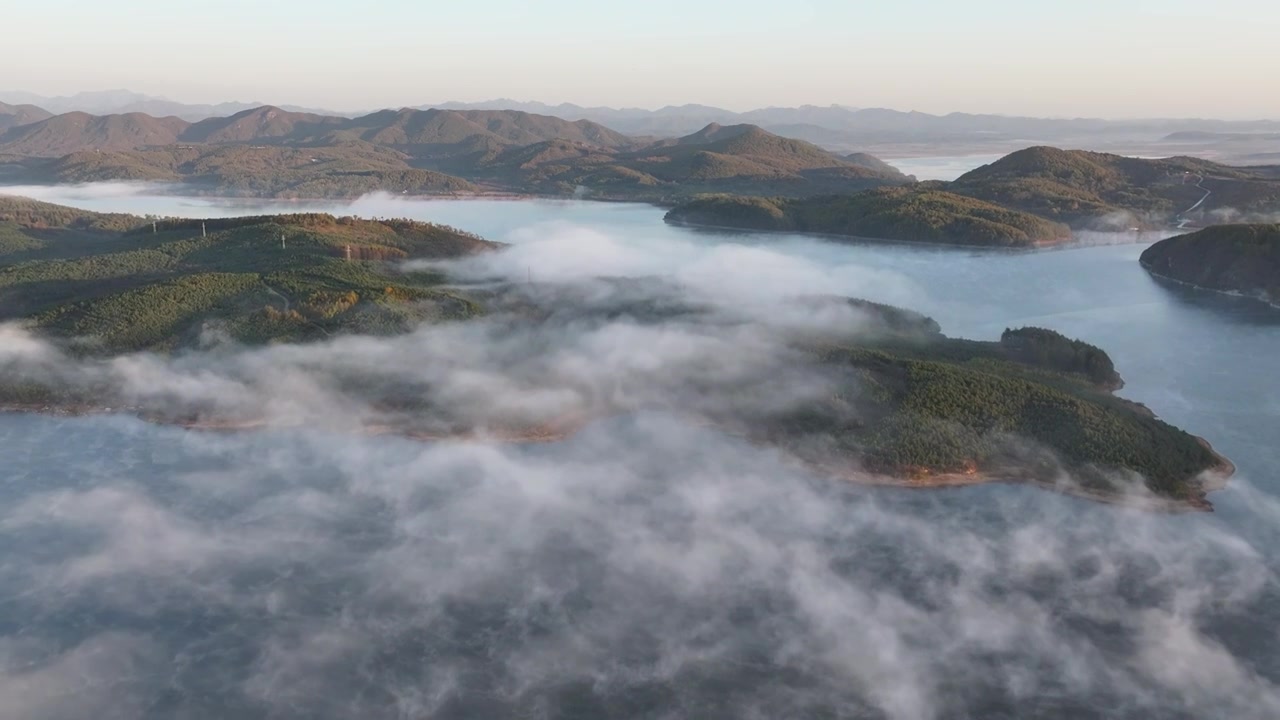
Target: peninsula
{"points": [[911, 214], [1236, 259]]}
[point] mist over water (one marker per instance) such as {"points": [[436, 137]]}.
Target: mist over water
{"points": [[647, 566]]}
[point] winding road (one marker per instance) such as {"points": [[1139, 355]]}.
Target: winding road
{"points": [[279, 295], [1182, 217]]}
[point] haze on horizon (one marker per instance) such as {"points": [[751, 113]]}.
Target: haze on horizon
{"points": [[1141, 58]]}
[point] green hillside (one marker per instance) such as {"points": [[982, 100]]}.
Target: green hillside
{"points": [[962, 407], [740, 160], [340, 171], [1088, 189], [916, 213], [78, 274]]}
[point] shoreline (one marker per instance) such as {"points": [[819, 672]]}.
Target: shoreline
{"points": [[1070, 243], [1264, 299], [1042, 246], [1209, 480], [165, 190]]}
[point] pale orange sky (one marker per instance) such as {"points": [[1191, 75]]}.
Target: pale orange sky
{"points": [[1122, 58]]}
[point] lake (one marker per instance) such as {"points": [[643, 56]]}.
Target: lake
{"points": [[942, 167], [644, 568]]}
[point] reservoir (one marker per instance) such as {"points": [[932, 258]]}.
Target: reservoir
{"points": [[642, 568]]}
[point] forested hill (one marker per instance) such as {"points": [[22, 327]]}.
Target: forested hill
{"points": [[914, 214], [740, 160], [1242, 259], [1104, 191], [130, 284], [1030, 197], [929, 405], [338, 171]]}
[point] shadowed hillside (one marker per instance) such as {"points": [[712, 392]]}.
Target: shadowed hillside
{"points": [[338, 171], [1243, 259], [72, 132], [258, 124], [914, 214]]}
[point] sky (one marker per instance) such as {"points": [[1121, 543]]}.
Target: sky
{"points": [[1099, 58]]}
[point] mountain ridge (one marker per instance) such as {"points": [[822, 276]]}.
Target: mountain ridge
{"points": [[502, 151], [71, 132], [841, 125], [21, 114]]}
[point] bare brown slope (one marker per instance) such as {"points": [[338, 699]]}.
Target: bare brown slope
{"points": [[15, 115], [738, 159], [747, 152], [76, 131], [475, 128], [415, 128], [263, 123], [524, 128]]}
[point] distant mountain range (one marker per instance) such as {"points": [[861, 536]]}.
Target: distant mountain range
{"points": [[432, 132], [836, 127], [271, 151], [274, 152], [839, 126], [120, 102]]}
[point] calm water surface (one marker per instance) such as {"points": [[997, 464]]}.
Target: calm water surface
{"points": [[639, 572], [942, 167]]}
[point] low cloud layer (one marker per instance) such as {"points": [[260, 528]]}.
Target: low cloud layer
{"points": [[643, 568], [648, 566]]}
